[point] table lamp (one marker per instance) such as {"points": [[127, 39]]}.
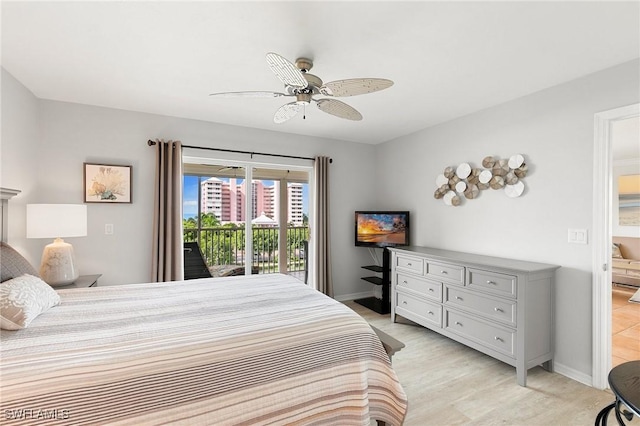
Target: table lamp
{"points": [[57, 221]]}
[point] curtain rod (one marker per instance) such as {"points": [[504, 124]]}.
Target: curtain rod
{"points": [[151, 143]]}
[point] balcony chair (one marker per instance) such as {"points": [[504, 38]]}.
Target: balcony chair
{"points": [[194, 263]]}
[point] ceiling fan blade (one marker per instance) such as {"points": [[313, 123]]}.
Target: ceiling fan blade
{"points": [[286, 71], [248, 95], [339, 109], [354, 86], [285, 112]]}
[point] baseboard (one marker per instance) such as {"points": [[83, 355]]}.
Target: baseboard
{"points": [[573, 374], [353, 296]]}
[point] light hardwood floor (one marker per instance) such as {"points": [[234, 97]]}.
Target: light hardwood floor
{"points": [[450, 384], [625, 328]]}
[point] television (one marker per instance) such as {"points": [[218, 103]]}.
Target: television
{"points": [[382, 228]]}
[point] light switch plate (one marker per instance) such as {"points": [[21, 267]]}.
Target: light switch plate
{"points": [[578, 236]]}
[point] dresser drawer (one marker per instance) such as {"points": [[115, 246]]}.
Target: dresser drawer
{"points": [[489, 307], [417, 309], [412, 264], [426, 288], [493, 282], [451, 273], [489, 335]]}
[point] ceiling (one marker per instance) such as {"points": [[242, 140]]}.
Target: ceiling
{"points": [[447, 59]]}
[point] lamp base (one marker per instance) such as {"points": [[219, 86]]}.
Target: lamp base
{"points": [[58, 264]]}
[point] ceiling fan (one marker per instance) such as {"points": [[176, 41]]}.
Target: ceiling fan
{"points": [[302, 85]]}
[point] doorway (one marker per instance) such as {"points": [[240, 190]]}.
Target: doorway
{"points": [[602, 234]]}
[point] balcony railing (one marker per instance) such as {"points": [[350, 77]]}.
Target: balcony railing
{"points": [[223, 246]]}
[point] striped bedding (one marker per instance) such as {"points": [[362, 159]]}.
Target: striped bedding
{"points": [[255, 350]]}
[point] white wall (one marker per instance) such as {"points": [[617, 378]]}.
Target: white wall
{"points": [[72, 134], [553, 129], [20, 158]]}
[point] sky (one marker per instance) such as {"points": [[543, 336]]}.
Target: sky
{"points": [[191, 192], [190, 196]]}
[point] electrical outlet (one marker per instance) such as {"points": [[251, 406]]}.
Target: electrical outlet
{"points": [[108, 229]]}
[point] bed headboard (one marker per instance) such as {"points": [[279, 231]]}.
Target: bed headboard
{"points": [[5, 194], [12, 263]]}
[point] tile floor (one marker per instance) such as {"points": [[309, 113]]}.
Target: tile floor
{"points": [[448, 383], [625, 328]]}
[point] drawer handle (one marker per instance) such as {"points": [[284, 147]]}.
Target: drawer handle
{"points": [[405, 282], [458, 298], [409, 264], [430, 312], [498, 310], [431, 289], [499, 339], [404, 302], [491, 282], [458, 323], [444, 272]]}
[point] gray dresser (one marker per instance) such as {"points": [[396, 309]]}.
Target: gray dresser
{"points": [[501, 307]]}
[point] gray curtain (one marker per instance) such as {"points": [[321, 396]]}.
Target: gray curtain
{"points": [[324, 281], [167, 246]]}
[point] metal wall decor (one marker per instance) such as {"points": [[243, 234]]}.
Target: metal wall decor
{"points": [[465, 181]]}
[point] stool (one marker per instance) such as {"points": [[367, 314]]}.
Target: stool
{"points": [[390, 344], [624, 381]]}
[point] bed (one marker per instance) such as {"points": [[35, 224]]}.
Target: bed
{"points": [[259, 349]]}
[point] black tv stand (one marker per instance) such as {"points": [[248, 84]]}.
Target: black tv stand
{"points": [[381, 306]]}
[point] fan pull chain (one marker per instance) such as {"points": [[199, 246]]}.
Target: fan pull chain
{"points": [[304, 112]]}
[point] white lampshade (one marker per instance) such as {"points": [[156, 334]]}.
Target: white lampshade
{"points": [[56, 221]]}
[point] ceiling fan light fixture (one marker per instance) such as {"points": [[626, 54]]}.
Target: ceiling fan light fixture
{"points": [[339, 109], [288, 73], [355, 86], [304, 86], [304, 64], [303, 98], [313, 80], [285, 112], [248, 94]]}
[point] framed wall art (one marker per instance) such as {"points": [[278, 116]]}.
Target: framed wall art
{"points": [[104, 183], [629, 200]]}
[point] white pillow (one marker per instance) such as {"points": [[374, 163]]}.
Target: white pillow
{"points": [[22, 299], [615, 251]]}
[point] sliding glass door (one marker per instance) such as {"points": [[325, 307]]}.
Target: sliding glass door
{"points": [[259, 227]]}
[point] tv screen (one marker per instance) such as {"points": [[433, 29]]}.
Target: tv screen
{"points": [[382, 228]]}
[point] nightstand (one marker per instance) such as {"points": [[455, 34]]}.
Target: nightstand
{"points": [[83, 281]]}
